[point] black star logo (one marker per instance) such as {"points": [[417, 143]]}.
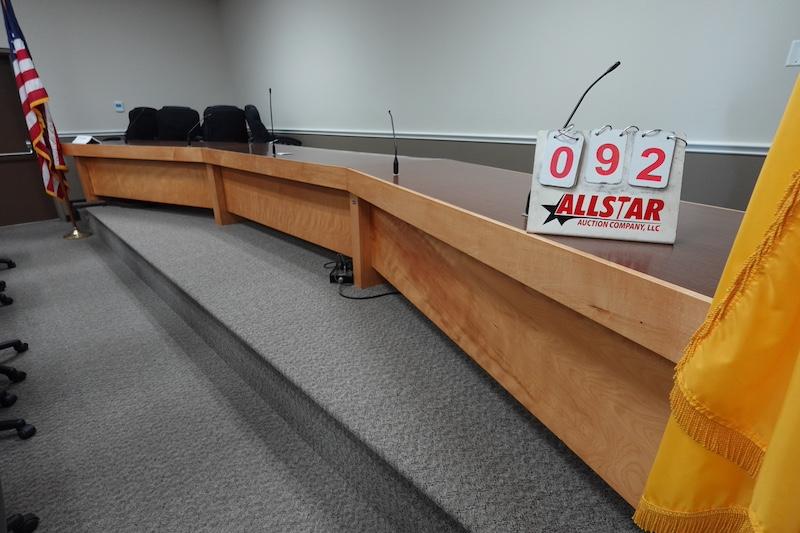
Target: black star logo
{"points": [[552, 213]]}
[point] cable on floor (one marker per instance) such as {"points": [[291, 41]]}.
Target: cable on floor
{"points": [[370, 297], [341, 264]]}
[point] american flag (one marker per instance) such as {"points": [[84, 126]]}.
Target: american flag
{"points": [[33, 96]]}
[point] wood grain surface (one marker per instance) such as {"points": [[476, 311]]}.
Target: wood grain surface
{"points": [[656, 314], [170, 183], [364, 273], [315, 214], [603, 395]]}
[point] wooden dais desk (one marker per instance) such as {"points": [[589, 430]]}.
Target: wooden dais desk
{"points": [[584, 333]]}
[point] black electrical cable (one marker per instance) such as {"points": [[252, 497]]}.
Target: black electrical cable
{"points": [[331, 266], [370, 297]]}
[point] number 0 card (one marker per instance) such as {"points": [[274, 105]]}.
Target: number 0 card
{"points": [[607, 183]]}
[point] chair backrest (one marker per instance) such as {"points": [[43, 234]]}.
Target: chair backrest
{"points": [[258, 132], [142, 124], [224, 123], [175, 122]]}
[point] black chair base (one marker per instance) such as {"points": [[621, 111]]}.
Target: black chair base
{"points": [[2, 285], [17, 523], [7, 399], [5, 300], [8, 262], [18, 346], [23, 429], [12, 373]]}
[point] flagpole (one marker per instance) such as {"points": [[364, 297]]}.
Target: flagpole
{"points": [[76, 233]]}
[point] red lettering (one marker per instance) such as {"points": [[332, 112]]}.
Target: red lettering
{"points": [[622, 201], [653, 211], [645, 175], [611, 160], [608, 206], [592, 210], [565, 207], [579, 206], [635, 209], [570, 156]]}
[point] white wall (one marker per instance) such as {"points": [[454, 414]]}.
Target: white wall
{"points": [[144, 52], [713, 68]]}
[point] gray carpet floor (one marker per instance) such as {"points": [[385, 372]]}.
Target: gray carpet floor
{"points": [[381, 369], [141, 427]]}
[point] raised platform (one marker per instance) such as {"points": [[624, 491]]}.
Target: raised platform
{"points": [[584, 333], [373, 386]]}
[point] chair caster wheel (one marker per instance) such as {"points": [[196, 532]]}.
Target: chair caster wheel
{"points": [[17, 376], [10, 264], [21, 347], [7, 399], [6, 300], [2, 286], [27, 431], [18, 523]]}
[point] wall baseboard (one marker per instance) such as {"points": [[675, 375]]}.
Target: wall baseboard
{"points": [[699, 147], [94, 133]]}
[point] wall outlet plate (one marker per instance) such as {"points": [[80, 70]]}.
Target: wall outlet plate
{"points": [[793, 59], [119, 107]]}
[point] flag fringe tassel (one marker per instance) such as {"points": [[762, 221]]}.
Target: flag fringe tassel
{"points": [[697, 419], [714, 436], [656, 519]]}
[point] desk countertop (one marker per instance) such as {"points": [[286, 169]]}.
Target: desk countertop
{"points": [[694, 262]]}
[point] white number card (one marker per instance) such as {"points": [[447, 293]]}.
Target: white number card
{"points": [[624, 184], [652, 159], [562, 154], [605, 153]]}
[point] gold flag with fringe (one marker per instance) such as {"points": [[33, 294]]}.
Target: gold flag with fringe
{"points": [[729, 460]]}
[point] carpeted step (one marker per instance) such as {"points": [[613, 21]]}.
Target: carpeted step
{"points": [[373, 386], [141, 425]]}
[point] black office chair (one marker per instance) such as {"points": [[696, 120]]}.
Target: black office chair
{"points": [[7, 399], [16, 523], [177, 123], [224, 123], [5, 299], [259, 133], [142, 124]]}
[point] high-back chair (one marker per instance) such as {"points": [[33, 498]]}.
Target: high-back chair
{"points": [[224, 123], [176, 123], [142, 124], [258, 132]]}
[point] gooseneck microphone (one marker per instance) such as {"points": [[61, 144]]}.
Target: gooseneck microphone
{"points": [[189, 134], [396, 163], [272, 124], [603, 75]]}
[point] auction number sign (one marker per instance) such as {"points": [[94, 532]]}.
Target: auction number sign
{"points": [[607, 183]]}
